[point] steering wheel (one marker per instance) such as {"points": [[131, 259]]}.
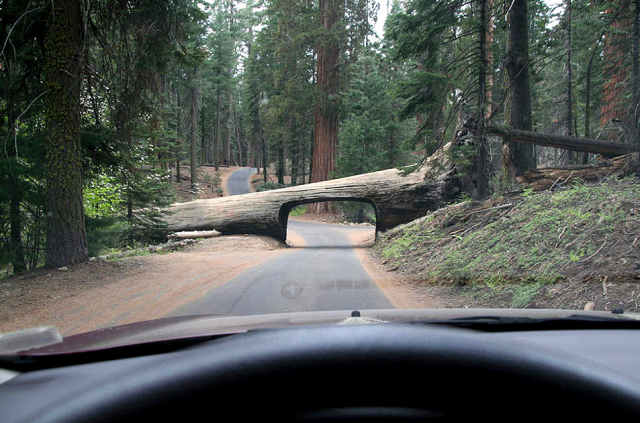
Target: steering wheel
{"points": [[351, 373]]}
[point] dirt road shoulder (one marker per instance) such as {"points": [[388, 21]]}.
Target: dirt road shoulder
{"points": [[399, 293], [93, 295]]}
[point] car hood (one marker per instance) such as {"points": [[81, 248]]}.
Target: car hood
{"points": [[185, 327]]}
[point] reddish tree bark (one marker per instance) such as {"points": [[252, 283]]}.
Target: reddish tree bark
{"points": [[616, 72], [325, 141]]}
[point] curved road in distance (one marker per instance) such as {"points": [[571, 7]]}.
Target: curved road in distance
{"points": [[326, 274], [238, 182]]}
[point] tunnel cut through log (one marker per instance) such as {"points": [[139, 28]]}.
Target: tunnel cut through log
{"points": [[396, 199], [286, 208]]}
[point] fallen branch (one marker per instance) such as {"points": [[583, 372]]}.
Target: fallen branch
{"points": [[560, 236], [465, 231], [567, 179], [503, 206], [561, 183], [554, 183], [594, 254], [195, 234], [587, 145]]}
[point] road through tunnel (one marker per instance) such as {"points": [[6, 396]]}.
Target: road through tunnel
{"points": [[352, 223]]}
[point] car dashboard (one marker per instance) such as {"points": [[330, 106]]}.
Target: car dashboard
{"points": [[347, 373]]}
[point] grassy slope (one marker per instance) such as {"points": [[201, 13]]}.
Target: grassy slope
{"points": [[527, 255]]}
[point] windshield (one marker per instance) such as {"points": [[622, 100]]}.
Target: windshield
{"points": [[222, 158]]}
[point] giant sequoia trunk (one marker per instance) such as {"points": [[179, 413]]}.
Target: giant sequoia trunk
{"points": [[325, 141], [64, 63], [616, 70]]}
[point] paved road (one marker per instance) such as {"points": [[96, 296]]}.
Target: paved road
{"points": [[326, 274], [238, 182]]}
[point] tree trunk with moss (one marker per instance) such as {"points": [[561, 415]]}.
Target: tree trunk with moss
{"points": [[518, 157], [64, 63]]}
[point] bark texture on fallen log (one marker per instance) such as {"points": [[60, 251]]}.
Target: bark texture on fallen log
{"points": [[396, 199], [587, 145], [540, 179]]}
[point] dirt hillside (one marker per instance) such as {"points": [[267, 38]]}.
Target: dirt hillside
{"points": [[572, 247]]}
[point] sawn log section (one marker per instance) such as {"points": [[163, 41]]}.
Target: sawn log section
{"points": [[395, 198]]}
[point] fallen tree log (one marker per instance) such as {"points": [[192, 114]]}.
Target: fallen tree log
{"points": [[396, 199], [586, 145], [540, 179]]}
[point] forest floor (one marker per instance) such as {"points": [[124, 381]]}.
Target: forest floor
{"points": [[96, 294], [577, 247]]}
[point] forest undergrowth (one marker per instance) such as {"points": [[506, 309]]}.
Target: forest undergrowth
{"points": [[575, 247]]}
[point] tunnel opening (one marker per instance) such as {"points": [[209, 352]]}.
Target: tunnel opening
{"points": [[352, 223]]}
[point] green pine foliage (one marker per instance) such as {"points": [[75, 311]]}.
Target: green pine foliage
{"points": [[371, 137], [399, 98]]}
